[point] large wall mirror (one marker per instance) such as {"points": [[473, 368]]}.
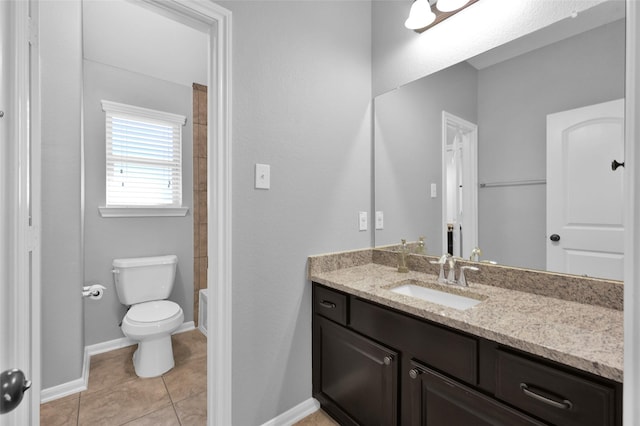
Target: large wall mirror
{"points": [[563, 87]]}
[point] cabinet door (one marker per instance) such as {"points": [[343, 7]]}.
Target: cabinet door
{"points": [[437, 400], [354, 378]]}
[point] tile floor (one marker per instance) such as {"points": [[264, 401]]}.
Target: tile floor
{"points": [[116, 396]]}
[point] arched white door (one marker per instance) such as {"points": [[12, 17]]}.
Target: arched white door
{"points": [[585, 233]]}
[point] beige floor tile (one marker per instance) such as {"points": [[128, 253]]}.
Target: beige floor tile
{"points": [[187, 380], [164, 417], [193, 411], [61, 412], [124, 402], [111, 368], [319, 418], [188, 346]]}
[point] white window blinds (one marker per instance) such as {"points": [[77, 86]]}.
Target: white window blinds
{"points": [[143, 157]]}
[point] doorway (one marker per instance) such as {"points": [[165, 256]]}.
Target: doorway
{"points": [[459, 185]]}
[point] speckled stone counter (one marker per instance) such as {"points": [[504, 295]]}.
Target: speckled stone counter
{"points": [[585, 336]]}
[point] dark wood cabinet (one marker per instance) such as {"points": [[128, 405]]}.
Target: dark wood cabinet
{"points": [[437, 400], [354, 377], [373, 365]]}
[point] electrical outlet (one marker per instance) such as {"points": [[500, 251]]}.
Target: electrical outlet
{"points": [[379, 220]]}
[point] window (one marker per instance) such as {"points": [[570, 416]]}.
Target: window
{"points": [[143, 162]]}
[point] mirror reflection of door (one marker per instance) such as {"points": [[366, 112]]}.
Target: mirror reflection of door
{"points": [[460, 185], [584, 237]]}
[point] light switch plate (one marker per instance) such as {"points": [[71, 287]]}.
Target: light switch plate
{"points": [[379, 220], [434, 190], [263, 176], [362, 220]]}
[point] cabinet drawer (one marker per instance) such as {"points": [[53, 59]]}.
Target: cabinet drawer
{"points": [[552, 394], [438, 347], [330, 304]]}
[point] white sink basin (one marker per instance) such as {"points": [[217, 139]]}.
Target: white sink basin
{"points": [[436, 296]]}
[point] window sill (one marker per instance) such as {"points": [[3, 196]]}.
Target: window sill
{"points": [[143, 211]]}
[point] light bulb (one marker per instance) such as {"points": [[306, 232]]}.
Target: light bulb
{"points": [[450, 5], [420, 15]]}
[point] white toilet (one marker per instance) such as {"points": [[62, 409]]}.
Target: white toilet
{"points": [[143, 283]]}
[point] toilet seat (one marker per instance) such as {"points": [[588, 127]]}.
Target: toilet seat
{"points": [[154, 311], [149, 319]]}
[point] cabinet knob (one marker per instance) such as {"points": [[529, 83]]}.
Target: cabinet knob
{"points": [[414, 373], [388, 360]]}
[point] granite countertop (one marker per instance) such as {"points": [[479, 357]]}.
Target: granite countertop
{"points": [[584, 336]]}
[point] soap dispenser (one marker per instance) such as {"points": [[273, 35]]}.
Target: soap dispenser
{"points": [[402, 257]]}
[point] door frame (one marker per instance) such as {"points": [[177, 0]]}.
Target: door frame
{"points": [[216, 21], [631, 394], [470, 179], [21, 253]]}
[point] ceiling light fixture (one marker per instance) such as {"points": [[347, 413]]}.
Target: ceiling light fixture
{"points": [[424, 14]]}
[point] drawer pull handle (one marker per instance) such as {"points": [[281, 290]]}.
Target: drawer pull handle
{"points": [[414, 373], [563, 405], [388, 360], [327, 305]]}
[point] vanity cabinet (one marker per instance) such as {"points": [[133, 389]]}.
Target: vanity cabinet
{"points": [[438, 400], [373, 365]]}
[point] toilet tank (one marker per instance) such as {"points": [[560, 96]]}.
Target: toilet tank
{"points": [[142, 279]]}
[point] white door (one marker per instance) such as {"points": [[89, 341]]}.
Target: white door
{"points": [[584, 195], [19, 216]]}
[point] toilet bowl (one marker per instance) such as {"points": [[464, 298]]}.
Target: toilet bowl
{"points": [[143, 284], [151, 325]]}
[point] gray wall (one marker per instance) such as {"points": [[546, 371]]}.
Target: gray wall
{"points": [[514, 99], [301, 103], [401, 56], [110, 238], [62, 263], [408, 146]]}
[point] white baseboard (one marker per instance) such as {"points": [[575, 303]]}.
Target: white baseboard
{"points": [[295, 414], [79, 385], [68, 388]]}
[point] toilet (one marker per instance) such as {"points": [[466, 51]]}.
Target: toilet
{"points": [[143, 284]]}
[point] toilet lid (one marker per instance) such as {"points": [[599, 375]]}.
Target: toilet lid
{"points": [[153, 311]]}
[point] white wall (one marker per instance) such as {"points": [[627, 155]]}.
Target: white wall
{"points": [[301, 103], [126, 35], [401, 55], [62, 256]]}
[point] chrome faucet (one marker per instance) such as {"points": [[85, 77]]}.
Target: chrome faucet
{"points": [[451, 275], [475, 254], [443, 259], [462, 280]]}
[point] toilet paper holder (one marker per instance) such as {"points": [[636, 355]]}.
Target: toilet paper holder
{"points": [[94, 291]]}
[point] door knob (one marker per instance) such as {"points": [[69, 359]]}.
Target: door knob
{"points": [[615, 164], [555, 238], [388, 360], [13, 384]]}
